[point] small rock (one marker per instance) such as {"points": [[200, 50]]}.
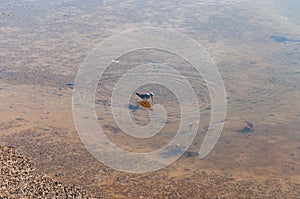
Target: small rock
{"points": [[70, 85]]}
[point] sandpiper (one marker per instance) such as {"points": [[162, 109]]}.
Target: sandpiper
{"points": [[145, 96]]}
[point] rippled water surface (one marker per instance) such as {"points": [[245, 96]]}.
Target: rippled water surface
{"points": [[255, 46]]}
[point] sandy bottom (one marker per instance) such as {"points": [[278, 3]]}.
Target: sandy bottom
{"points": [[255, 48]]}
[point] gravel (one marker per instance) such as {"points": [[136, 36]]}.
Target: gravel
{"points": [[18, 179]]}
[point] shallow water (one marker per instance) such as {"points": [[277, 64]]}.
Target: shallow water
{"points": [[255, 46]]}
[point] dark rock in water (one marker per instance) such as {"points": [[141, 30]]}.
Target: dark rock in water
{"points": [[283, 39], [10, 73], [279, 39], [70, 85], [103, 102], [172, 151], [4, 13], [248, 128], [190, 154], [112, 128]]}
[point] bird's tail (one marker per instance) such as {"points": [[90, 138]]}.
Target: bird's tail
{"points": [[138, 94]]}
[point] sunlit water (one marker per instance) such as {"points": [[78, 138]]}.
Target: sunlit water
{"points": [[255, 47]]}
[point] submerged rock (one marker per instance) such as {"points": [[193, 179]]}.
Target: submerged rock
{"points": [[248, 128], [70, 85]]}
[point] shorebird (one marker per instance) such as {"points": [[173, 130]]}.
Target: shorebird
{"points": [[145, 96]]}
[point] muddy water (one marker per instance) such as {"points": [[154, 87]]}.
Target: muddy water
{"points": [[44, 44]]}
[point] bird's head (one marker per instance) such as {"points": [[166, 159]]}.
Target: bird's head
{"points": [[151, 95]]}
